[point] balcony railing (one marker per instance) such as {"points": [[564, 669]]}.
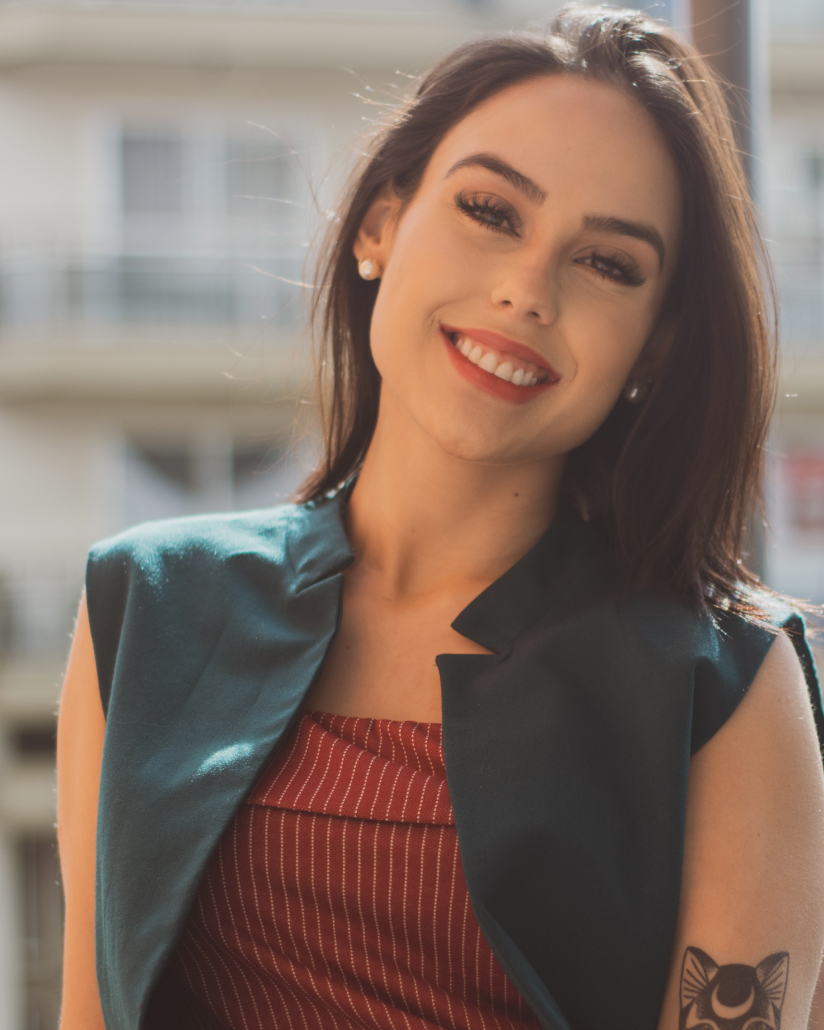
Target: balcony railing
{"points": [[225, 293], [148, 289]]}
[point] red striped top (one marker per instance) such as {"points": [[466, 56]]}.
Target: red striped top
{"points": [[336, 897]]}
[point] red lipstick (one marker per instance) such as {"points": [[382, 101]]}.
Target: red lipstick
{"points": [[505, 351], [503, 344]]}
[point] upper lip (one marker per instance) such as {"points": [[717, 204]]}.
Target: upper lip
{"points": [[504, 344]]}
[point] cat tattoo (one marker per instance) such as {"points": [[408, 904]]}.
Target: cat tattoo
{"points": [[732, 997]]}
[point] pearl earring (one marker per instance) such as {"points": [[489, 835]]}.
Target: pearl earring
{"points": [[636, 392], [366, 269]]}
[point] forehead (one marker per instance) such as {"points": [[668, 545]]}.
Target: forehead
{"points": [[583, 141]]}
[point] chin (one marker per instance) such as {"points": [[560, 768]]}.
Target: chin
{"points": [[476, 448]]}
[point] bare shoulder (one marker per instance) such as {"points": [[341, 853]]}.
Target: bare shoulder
{"points": [[780, 675], [775, 718], [760, 777]]}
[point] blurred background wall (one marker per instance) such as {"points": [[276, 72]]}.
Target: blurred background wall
{"points": [[163, 169]]}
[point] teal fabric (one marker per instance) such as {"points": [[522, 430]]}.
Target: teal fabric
{"points": [[567, 750]]}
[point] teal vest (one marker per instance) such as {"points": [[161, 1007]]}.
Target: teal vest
{"points": [[567, 750]]}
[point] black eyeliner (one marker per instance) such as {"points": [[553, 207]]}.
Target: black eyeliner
{"points": [[630, 276], [479, 207], [485, 208]]}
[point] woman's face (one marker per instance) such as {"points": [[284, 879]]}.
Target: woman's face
{"points": [[536, 250]]}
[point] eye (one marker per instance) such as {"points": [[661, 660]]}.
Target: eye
{"points": [[614, 266], [490, 211]]}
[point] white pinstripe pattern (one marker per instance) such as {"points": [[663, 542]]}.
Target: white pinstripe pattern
{"points": [[275, 979], [404, 1007], [336, 898], [189, 943]]}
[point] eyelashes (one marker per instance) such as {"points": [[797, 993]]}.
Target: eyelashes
{"points": [[490, 211], [498, 216], [614, 266]]}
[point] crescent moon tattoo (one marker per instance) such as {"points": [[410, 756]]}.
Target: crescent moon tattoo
{"points": [[731, 1011], [733, 996]]}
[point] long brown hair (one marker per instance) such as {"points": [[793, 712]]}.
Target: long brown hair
{"points": [[671, 482]]}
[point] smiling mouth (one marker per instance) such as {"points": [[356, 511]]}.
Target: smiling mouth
{"points": [[500, 363]]}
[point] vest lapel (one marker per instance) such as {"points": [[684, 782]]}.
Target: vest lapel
{"points": [[225, 626]]}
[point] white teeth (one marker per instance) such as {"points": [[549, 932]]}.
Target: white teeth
{"points": [[488, 362]]}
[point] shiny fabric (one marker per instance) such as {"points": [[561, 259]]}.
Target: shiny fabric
{"points": [[567, 749], [336, 897]]}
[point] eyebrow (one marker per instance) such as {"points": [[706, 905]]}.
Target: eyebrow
{"points": [[637, 230], [531, 190]]}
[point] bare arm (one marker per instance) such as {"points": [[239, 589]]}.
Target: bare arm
{"points": [[751, 923], [817, 1013], [80, 731]]}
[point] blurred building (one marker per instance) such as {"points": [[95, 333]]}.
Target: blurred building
{"points": [[793, 191], [165, 169]]}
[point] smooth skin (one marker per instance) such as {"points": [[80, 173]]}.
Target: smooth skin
{"points": [[458, 484]]}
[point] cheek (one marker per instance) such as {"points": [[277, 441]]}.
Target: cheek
{"points": [[606, 342], [605, 345], [426, 272]]}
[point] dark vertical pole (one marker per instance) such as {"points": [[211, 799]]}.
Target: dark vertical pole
{"points": [[722, 30], [733, 36]]}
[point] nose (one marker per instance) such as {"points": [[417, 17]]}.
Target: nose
{"points": [[527, 290]]}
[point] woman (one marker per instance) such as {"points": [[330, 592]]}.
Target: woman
{"points": [[552, 377]]}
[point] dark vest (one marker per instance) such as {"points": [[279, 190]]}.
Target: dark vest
{"points": [[567, 750]]}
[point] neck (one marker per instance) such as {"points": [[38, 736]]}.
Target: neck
{"points": [[423, 520]]}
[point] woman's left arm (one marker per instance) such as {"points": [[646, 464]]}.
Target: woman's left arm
{"points": [[750, 930]]}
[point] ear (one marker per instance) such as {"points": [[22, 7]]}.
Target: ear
{"points": [[377, 230], [696, 972], [648, 366], [772, 974]]}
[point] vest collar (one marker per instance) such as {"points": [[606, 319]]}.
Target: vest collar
{"points": [[567, 568]]}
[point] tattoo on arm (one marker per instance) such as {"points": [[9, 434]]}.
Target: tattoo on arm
{"points": [[732, 997]]}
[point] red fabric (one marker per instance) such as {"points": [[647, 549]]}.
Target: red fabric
{"points": [[336, 897]]}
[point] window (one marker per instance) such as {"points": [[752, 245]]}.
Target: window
{"points": [[212, 472], [153, 171], [257, 177]]}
